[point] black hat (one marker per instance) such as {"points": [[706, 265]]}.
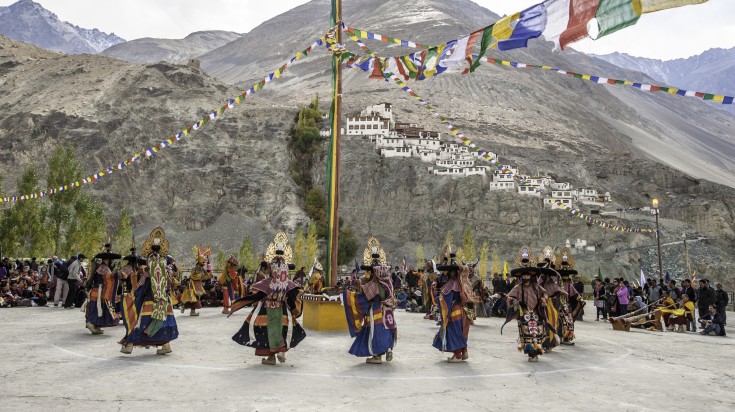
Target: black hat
{"points": [[105, 255], [565, 273], [450, 267], [526, 264], [142, 261], [533, 271]]}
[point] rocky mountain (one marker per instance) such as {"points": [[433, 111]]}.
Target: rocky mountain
{"points": [[712, 71], [29, 22], [232, 176], [179, 51]]}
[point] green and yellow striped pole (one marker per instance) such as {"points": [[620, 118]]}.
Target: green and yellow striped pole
{"points": [[335, 116]]}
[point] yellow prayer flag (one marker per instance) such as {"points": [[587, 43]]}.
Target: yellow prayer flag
{"points": [[502, 29], [649, 6]]}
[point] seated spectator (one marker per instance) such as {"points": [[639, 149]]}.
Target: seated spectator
{"points": [[712, 323], [401, 299], [680, 318], [39, 298]]}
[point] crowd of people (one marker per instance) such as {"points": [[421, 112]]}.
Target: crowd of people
{"points": [[703, 305], [60, 282], [40, 283]]}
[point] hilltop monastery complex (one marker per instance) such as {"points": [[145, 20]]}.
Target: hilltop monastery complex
{"points": [[396, 139]]}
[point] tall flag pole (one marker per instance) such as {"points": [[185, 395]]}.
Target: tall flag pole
{"points": [[335, 117]]}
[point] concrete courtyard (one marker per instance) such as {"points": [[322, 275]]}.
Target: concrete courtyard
{"points": [[49, 361]]}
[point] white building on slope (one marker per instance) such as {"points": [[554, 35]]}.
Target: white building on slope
{"points": [[396, 139], [373, 121], [504, 178], [560, 199]]}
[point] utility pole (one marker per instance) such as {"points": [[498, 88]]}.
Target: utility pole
{"points": [[686, 254], [658, 239]]}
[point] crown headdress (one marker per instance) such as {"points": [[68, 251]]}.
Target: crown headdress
{"points": [[279, 247], [564, 259], [157, 237], [525, 258], [374, 253]]}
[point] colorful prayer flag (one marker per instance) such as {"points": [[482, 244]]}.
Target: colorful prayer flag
{"points": [[462, 51], [529, 25], [614, 15], [581, 12], [649, 6], [487, 38]]}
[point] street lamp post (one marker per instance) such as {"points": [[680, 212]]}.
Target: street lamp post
{"points": [[658, 240]]}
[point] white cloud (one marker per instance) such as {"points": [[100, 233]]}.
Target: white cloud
{"points": [[133, 19], [667, 34]]}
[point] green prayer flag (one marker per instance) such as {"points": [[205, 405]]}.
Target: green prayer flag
{"points": [[614, 15], [487, 39]]}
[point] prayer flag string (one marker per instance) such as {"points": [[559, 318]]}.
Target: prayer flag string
{"points": [[153, 151]]}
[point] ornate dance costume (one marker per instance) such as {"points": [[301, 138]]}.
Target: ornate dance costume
{"points": [[526, 303], [231, 282], [454, 293], [100, 311], [271, 328], [369, 311], [130, 275], [194, 289], [154, 320], [565, 267]]}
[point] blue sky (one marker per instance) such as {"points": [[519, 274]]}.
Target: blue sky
{"points": [[665, 35]]}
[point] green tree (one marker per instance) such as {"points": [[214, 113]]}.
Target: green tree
{"points": [[25, 221], [448, 240], [247, 256], [315, 206], [496, 263], [312, 245], [420, 259], [124, 234], [306, 145], [482, 265], [347, 247], [299, 249], [469, 248], [63, 168], [221, 261], [87, 232]]}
